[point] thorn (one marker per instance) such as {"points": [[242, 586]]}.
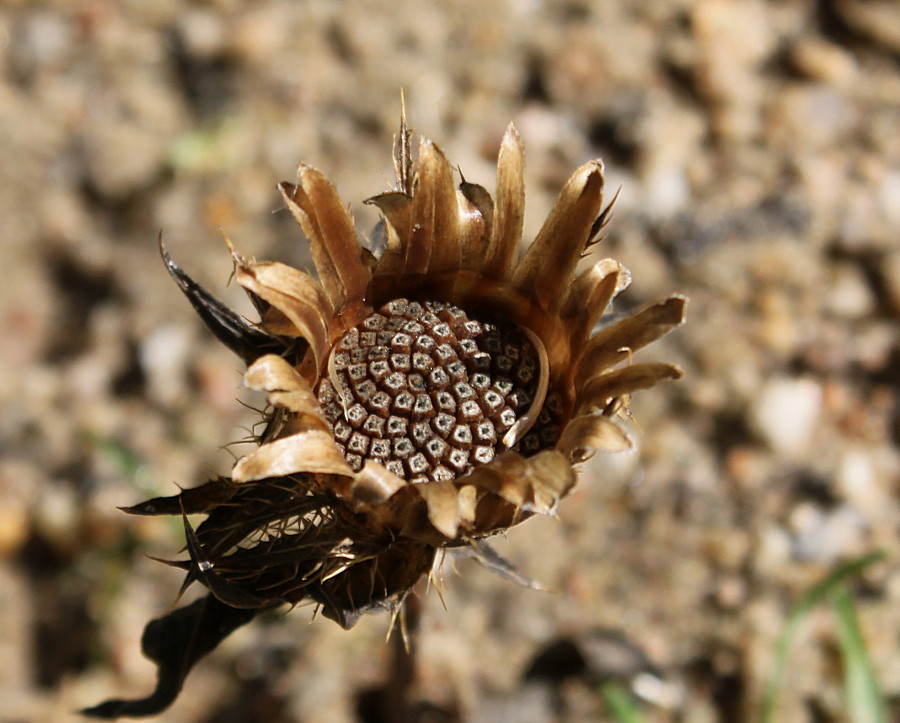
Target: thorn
{"points": [[243, 338]]}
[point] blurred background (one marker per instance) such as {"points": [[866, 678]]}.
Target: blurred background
{"points": [[757, 150]]}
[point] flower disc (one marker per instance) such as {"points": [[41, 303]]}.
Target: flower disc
{"points": [[427, 391]]}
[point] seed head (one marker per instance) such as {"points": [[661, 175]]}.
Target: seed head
{"points": [[423, 398]]}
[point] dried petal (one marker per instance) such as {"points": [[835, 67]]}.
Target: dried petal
{"points": [[502, 477], [435, 170], [590, 294], [476, 210], [311, 451], [550, 476], [397, 209], [615, 343], [295, 294], [589, 433], [335, 247], [600, 389], [375, 485], [544, 270], [509, 216], [287, 389], [442, 506]]}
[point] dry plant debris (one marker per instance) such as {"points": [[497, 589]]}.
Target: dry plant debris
{"points": [[422, 395]]}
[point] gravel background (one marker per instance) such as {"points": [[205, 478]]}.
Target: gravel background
{"points": [[757, 148]]}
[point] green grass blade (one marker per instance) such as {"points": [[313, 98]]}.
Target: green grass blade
{"points": [[818, 593], [865, 703], [622, 706]]}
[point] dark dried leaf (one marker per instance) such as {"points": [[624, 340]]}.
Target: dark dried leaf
{"points": [[239, 335], [175, 642], [191, 501]]}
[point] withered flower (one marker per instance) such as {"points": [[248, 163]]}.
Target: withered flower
{"points": [[423, 397]]}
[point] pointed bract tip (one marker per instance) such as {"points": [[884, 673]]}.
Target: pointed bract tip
{"points": [[512, 134]]}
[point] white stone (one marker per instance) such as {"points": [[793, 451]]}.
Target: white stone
{"points": [[786, 413], [827, 536], [850, 296], [164, 357], [667, 192], [889, 197], [856, 479]]}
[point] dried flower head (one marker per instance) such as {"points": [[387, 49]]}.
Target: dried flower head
{"points": [[426, 395]]}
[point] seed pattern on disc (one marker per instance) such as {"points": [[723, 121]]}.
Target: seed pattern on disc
{"points": [[429, 393]]}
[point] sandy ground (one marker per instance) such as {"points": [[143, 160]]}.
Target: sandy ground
{"points": [[757, 149]]}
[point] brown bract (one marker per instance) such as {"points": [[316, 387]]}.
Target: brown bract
{"points": [[296, 520]]}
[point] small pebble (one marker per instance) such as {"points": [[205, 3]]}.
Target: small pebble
{"points": [[820, 60], [786, 412], [849, 295], [856, 479]]}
